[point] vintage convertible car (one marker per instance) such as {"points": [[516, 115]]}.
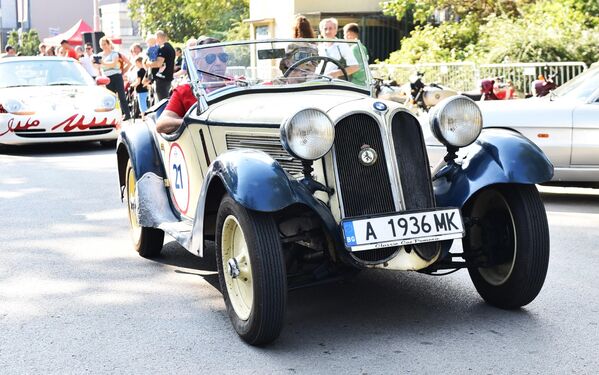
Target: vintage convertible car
{"points": [[300, 178], [53, 99], [564, 124]]}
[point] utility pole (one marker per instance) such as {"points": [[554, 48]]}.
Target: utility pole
{"points": [[96, 15]]}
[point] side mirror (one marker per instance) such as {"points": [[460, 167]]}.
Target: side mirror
{"points": [[102, 81]]}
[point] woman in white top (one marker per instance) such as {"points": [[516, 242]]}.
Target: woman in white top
{"points": [[338, 51], [111, 68]]}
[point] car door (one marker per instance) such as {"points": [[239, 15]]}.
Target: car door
{"points": [[585, 136], [186, 160]]}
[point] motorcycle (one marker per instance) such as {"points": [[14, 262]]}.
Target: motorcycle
{"points": [[424, 96]]}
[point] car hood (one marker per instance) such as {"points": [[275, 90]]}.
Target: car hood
{"points": [[274, 108], [527, 112]]}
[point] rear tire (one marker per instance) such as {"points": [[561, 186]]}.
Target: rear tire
{"points": [[511, 236], [251, 271], [146, 241]]}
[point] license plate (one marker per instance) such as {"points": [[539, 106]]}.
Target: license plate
{"points": [[402, 229]]}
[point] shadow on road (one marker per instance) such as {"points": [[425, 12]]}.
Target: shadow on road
{"points": [[52, 149]]}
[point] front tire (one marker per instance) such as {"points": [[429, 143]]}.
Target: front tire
{"points": [[146, 241], [251, 271], [509, 239]]}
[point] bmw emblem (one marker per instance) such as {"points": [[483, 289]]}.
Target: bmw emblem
{"points": [[367, 156], [380, 106]]}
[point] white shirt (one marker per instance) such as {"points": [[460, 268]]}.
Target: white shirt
{"points": [[336, 51]]}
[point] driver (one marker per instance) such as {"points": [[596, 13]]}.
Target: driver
{"points": [[212, 61]]}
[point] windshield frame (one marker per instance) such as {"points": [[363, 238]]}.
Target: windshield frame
{"points": [[243, 88]]}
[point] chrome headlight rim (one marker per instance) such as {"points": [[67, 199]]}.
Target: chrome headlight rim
{"points": [[106, 104], [435, 121], [286, 131]]}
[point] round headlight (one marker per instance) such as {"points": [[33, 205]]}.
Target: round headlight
{"points": [[12, 105], [456, 121], [308, 134], [107, 104]]}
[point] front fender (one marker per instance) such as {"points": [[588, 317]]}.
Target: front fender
{"points": [[137, 143], [257, 182], [498, 156]]}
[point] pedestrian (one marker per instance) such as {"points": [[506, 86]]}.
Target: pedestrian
{"points": [[10, 51], [111, 68], [70, 52], [51, 51], [62, 52], [178, 58], [191, 42], [140, 89], [165, 62], [79, 51], [338, 51], [297, 51], [351, 31], [42, 49], [87, 61]]}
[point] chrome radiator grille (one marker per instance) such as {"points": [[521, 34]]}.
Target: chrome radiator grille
{"points": [[365, 190], [268, 144], [412, 162]]}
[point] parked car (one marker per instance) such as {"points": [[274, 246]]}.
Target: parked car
{"points": [[300, 179], [50, 99], [564, 124]]}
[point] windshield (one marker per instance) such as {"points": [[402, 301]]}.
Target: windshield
{"points": [[580, 87], [275, 63], [21, 73]]}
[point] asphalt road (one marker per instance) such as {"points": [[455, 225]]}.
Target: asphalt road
{"points": [[75, 297]]}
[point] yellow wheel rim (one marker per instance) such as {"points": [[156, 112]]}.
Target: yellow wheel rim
{"points": [[132, 205], [237, 268]]}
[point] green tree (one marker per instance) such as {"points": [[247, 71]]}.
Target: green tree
{"points": [[500, 30], [187, 18], [29, 43]]}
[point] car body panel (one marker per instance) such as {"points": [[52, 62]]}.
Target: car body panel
{"points": [[497, 156]]}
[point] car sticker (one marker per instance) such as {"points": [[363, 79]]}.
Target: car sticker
{"points": [[179, 178], [19, 126]]}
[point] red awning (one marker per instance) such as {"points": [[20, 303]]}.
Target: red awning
{"points": [[73, 35]]}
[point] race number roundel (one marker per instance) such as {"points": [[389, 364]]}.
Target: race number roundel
{"points": [[179, 177]]}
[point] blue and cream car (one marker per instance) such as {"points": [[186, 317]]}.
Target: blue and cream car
{"points": [[299, 176]]}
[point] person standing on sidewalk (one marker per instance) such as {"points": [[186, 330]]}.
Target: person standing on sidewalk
{"points": [[166, 64], [111, 68]]}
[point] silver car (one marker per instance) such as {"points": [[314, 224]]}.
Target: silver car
{"points": [[564, 124]]}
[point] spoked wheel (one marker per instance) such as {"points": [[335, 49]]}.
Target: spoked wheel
{"points": [[251, 271], [146, 241], [509, 240]]}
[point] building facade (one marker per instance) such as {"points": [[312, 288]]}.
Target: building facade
{"points": [[380, 34]]}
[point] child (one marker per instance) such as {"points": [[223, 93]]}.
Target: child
{"points": [[140, 89]]}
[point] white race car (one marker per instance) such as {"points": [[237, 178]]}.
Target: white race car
{"points": [[50, 99]]}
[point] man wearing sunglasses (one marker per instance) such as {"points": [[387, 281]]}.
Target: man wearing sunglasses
{"points": [[211, 64]]}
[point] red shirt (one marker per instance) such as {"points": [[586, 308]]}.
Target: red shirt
{"points": [[71, 53], [181, 100]]}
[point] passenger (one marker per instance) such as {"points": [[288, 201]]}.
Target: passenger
{"points": [[182, 97], [351, 31], [300, 50], [337, 51]]}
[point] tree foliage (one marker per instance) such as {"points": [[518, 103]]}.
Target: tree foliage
{"points": [[516, 31], [191, 18], [28, 43]]}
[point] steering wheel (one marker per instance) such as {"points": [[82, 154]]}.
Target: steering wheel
{"points": [[326, 60]]}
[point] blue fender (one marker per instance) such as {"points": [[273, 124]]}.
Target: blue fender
{"points": [[137, 142], [498, 156], [257, 182]]}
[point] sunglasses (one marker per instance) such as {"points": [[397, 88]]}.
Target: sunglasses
{"points": [[211, 57]]}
